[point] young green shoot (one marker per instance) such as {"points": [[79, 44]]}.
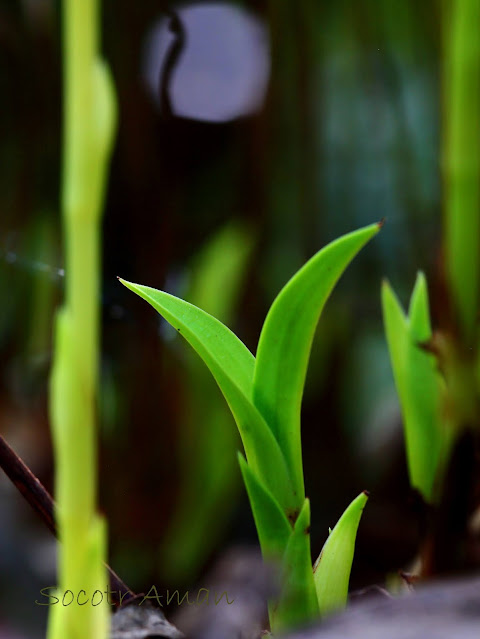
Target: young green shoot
{"points": [[331, 571], [264, 395], [419, 384]]}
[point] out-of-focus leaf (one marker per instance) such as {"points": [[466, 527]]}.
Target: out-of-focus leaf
{"points": [[286, 339], [332, 568], [298, 602], [419, 385], [77, 529], [218, 272], [209, 481], [461, 161], [477, 368]]}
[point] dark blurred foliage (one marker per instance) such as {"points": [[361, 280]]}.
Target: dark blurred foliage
{"points": [[349, 132]]}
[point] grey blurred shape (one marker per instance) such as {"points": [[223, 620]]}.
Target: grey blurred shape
{"points": [[445, 610], [222, 72], [134, 621]]}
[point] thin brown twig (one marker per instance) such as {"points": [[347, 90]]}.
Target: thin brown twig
{"points": [[41, 501]]}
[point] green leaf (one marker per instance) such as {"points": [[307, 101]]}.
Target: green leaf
{"points": [[419, 385], [261, 448], [286, 339], [231, 364], [220, 349], [298, 601], [273, 527], [333, 566], [396, 331]]}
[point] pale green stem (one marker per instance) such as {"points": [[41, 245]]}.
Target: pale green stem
{"points": [[462, 161], [81, 226], [89, 123]]}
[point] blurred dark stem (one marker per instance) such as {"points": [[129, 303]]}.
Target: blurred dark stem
{"points": [[447, 548], [171, 60], [41, 501]]}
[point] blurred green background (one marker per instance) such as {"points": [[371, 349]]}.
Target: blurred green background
{"points": [[250, 135]]}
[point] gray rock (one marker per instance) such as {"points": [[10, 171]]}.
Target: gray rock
{"points": [[133, 621], [443, 610]]}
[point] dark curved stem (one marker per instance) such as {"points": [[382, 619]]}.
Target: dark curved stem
{"points": [[41, 501], [171, 61]]}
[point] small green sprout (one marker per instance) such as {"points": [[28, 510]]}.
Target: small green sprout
{"points": [[264, 395], [420, 386], [437, 376], [332, 568]]}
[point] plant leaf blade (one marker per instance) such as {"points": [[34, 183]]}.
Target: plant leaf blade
{"points": [[272, 525], [298, 602], [332, 568], [418, 383], [286, 339], [216, 344], [231, 364]]}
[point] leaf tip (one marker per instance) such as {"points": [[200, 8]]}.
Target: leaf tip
{"points": [[385, 283], [366, 493], [386, 291], [127, 284], [382, 222]]}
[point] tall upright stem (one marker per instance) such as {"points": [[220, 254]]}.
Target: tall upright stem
{"points": [[89, 123], [462, 162]]}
